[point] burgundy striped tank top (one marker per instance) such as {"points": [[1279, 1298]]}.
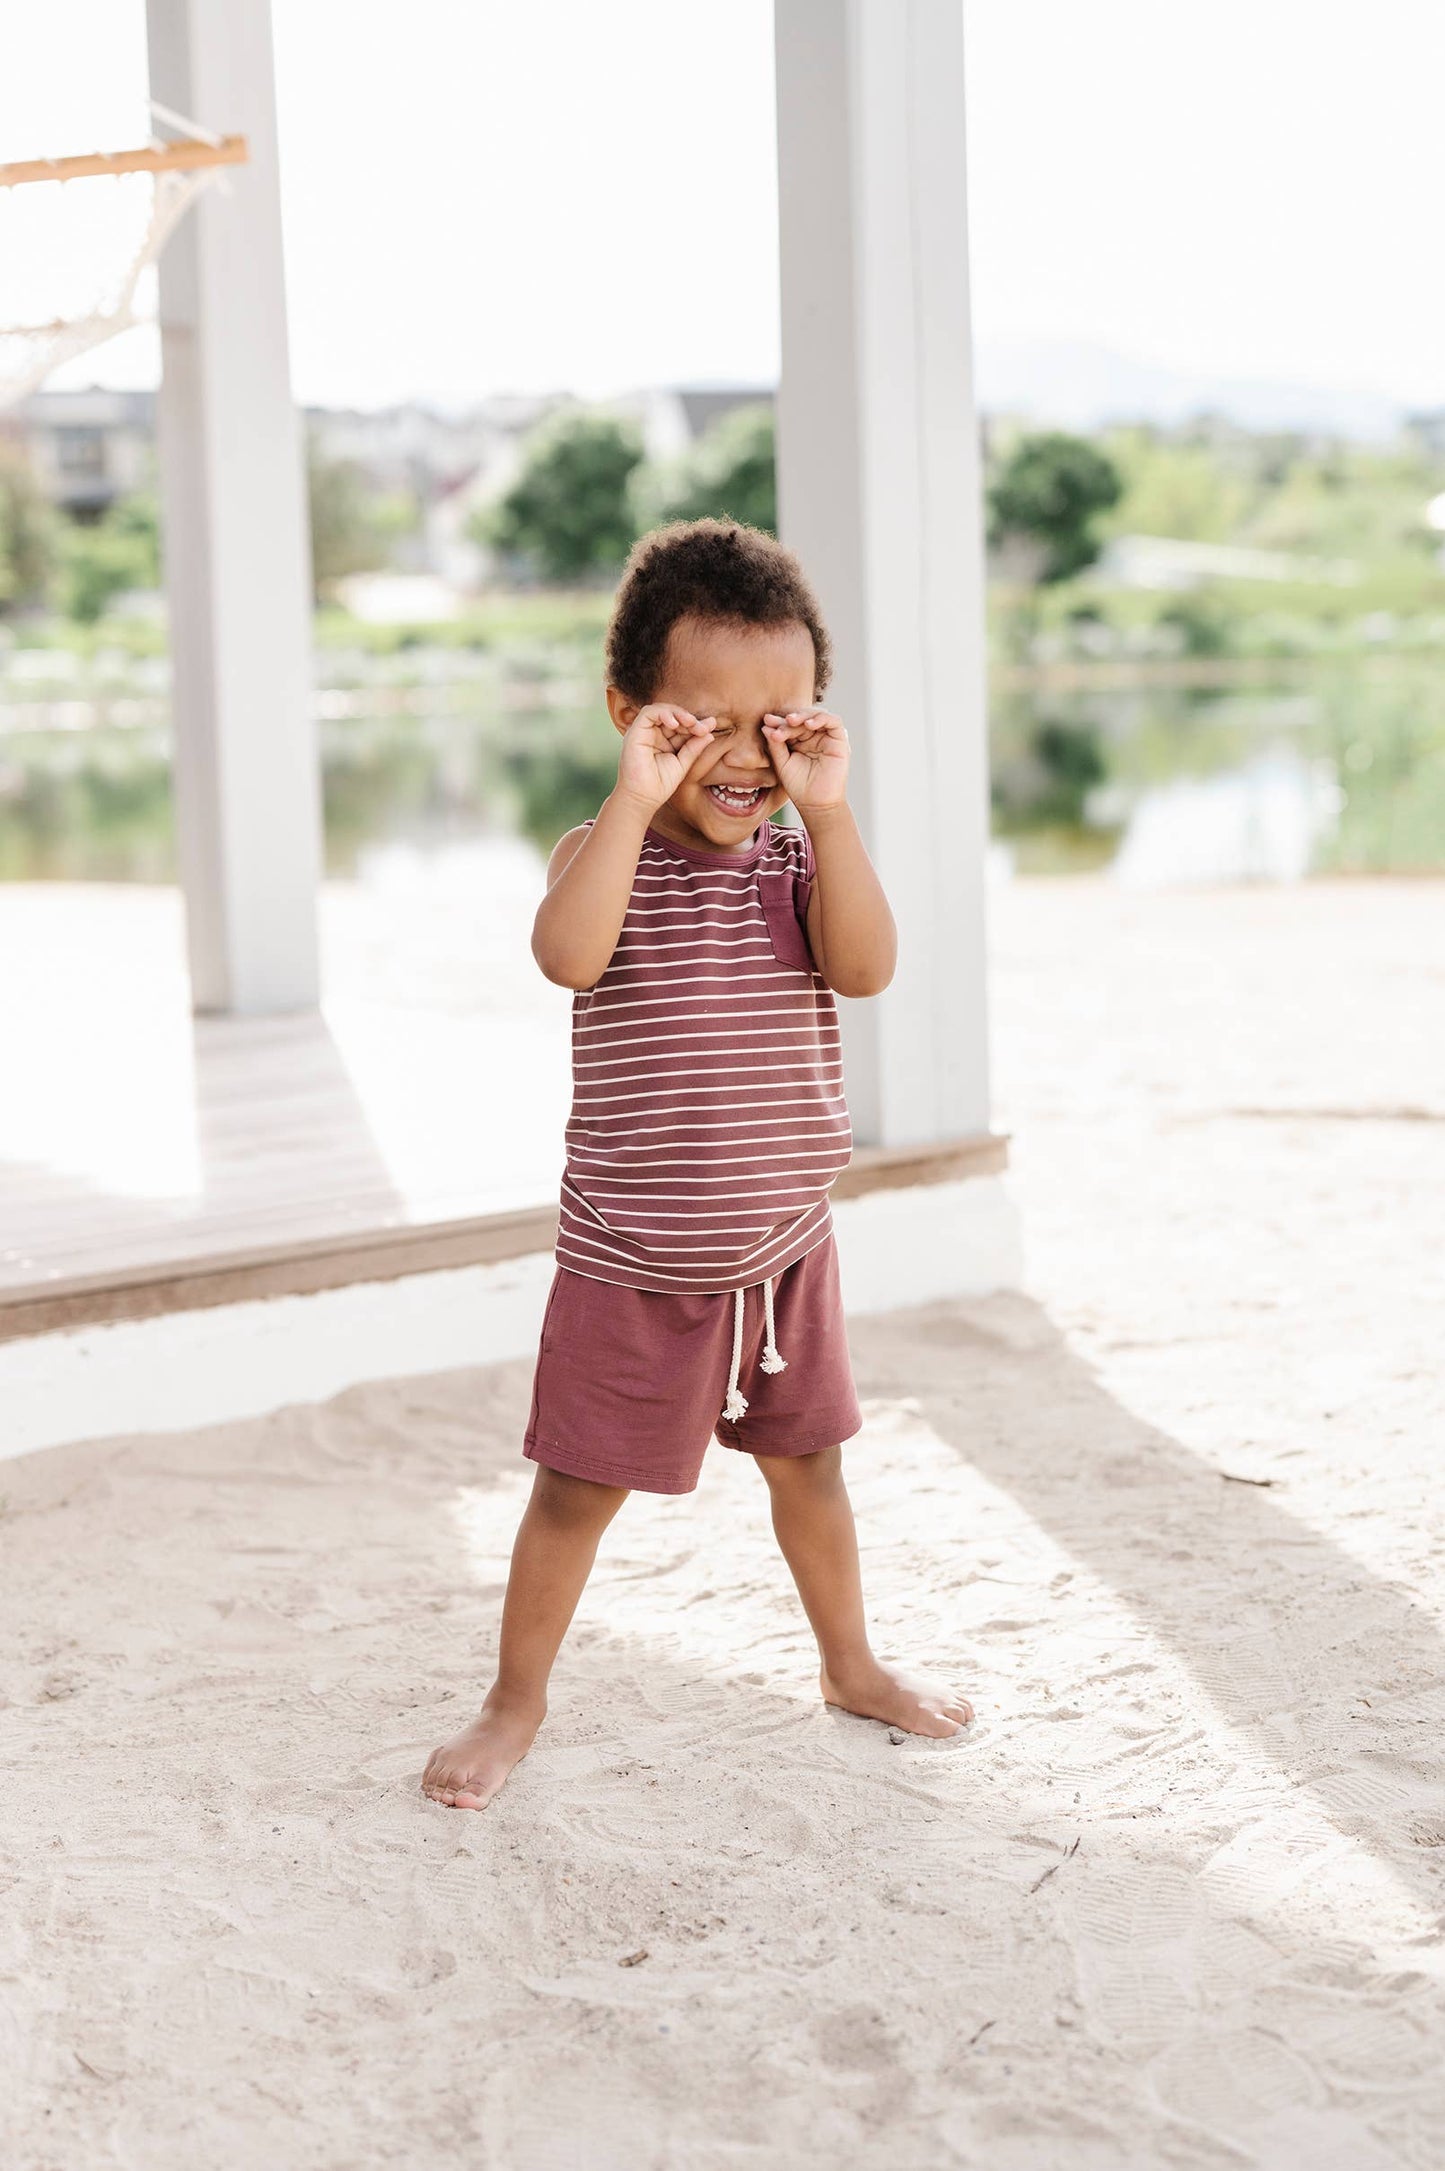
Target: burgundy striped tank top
{"points": [[708, 1119]]}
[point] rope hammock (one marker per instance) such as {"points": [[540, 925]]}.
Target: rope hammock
{"points": [[133, 203]]}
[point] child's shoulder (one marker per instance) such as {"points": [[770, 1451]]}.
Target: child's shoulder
{"points": [[565, 850]]}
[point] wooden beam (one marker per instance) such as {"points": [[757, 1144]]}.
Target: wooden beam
{"points": [[300, 1268], [188, 156]]}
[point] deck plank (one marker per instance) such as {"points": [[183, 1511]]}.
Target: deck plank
{"points": [[151, 1161]]}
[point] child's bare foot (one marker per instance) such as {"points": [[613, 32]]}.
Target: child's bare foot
{"points": [[913, 1701], [468, 1770]]}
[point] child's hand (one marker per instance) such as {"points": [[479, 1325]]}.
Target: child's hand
{"points": [[659, 746], [810, 753]]}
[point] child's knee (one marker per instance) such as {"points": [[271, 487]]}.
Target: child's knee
{"points": [[574, 1502], [802, 1473]]}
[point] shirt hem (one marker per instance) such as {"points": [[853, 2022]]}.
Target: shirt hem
{"points": [[653, 1286]]}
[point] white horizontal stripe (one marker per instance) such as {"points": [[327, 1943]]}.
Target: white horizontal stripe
{"points": [[697, 1186], [661, 1159], [599, 1181], [769, 1206], [751, 1268], [824, 1089], [813, 1046], [683, 910], [683, 1152], [714, 1066], [767, 1212], [814, 1067], [687, 1286], [709, 980], [738, 979], [773, 1241], [805, 1001], [816, 1101], [615, 973], [784, 1205], [588, 1039], [650, 939], [762, 1013], [816, 1036], [711, 1251], [723, 1123], [623, 1130], [652, 1032], [677, 888]]}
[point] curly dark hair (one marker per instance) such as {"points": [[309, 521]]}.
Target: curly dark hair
{"points": [[715, 569]]}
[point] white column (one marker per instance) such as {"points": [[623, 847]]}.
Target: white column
{"points": [[879, 493], [247, 788]]}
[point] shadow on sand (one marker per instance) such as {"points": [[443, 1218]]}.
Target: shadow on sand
{"points": [[1311, 1632]]}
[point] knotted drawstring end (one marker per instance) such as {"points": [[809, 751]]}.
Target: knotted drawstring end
{"points": [[770, 1360], [737, 1402]]}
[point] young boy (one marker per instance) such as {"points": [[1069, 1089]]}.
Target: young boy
{"points": [[696, 1290]]}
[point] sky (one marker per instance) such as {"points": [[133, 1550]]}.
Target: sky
{"points": [[481, 196]]}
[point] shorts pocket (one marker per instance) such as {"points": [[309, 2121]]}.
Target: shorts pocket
{"points": [[785, 901]]}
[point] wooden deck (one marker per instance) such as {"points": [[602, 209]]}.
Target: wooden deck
{"points": [[154, 1162]]}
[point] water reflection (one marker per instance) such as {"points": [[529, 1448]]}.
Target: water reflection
{"points": [[1264, 822], [1343, 770]]}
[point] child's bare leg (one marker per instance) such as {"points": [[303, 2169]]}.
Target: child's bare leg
{"points": [[552, 1558], [813, 1519]]}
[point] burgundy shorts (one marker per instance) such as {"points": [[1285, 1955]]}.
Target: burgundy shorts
{"points": [[630, 1384]]}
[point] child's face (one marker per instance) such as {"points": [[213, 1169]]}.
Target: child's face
{"points": [[738, 674]]}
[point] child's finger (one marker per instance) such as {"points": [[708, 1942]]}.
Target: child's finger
{"points": [[688, 749]]}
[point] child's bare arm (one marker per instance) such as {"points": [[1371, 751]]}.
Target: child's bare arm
{"points": [[849, 924], [850, 928], [591, 871]]}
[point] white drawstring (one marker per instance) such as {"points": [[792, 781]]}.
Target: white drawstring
{"points": [[737, 1402], [772, 1362]]}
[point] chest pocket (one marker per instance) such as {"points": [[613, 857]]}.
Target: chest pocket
{"points": [[785, 906]]}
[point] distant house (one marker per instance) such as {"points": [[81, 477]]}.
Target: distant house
{"points": [[673, 417], [1167, 561], [88, 447]]}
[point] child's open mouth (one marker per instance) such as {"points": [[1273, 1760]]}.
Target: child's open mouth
{"points": [[734, 801]]}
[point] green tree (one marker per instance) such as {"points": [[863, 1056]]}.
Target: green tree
{"points": [[27, 534], [569, 515], [731, 473], [1044, 501], [1176, 489], [351, 528], [103, 558]]}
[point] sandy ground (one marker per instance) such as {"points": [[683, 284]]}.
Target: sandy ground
{"points": [[1174, 1516]]}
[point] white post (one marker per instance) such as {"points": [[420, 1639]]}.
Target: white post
{"points": [[879, 490], [247, 788]]}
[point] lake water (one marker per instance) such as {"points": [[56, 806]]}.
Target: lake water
{"points": [[1343, 770]]}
